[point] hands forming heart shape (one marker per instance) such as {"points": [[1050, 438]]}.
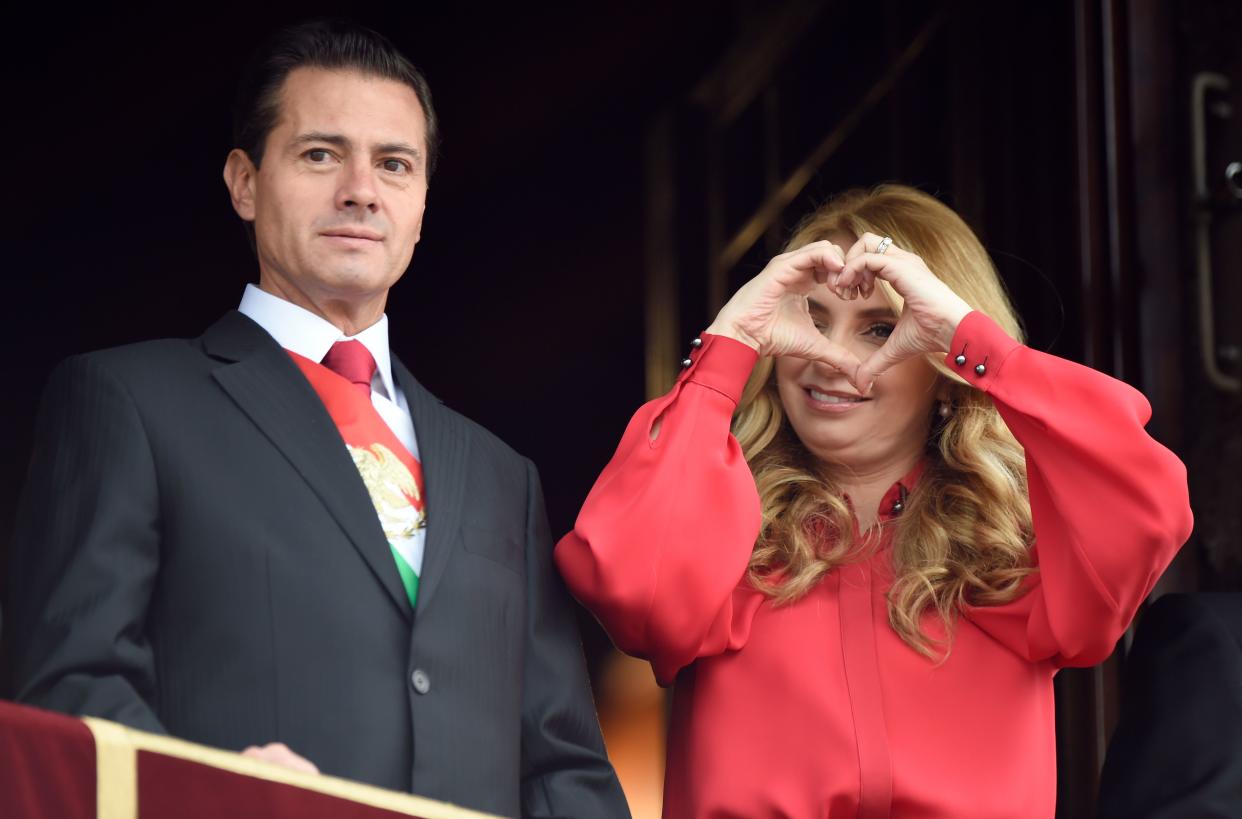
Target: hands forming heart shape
{"points": [[771, 314]]}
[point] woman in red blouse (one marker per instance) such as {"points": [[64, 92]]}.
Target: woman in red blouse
{"points": [[866, 528]]}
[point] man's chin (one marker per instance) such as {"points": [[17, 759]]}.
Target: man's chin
{"points": [[344, 281]]}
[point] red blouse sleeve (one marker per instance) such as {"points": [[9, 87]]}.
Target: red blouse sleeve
{"points": [[1109, 505], [663, 540]]}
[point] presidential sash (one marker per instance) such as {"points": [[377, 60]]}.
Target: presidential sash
{"points": [[393, 477]]}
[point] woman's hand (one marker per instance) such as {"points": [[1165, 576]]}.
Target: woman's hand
{"points": [[770, 314], [932, 310]]}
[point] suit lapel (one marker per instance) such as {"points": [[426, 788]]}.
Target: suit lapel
{"points": [[265, 383], [443, 449]]}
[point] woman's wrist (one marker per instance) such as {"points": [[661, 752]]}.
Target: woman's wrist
{"points": [[953, 319], [721, 327]]}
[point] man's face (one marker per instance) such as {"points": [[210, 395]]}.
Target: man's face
{"points": [[338, 201]]}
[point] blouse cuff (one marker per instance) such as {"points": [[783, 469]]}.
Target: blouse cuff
{"points": [[980, 349], [721, 364]]}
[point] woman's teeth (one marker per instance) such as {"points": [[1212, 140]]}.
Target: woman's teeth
{"points": [[833, 399]]}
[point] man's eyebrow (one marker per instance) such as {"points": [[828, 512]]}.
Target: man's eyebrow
{"points": [[320, 136], [343, 142], [398, 148]]}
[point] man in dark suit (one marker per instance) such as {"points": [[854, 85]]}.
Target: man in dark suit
{"points": [[199, 552], [1177, 750]]}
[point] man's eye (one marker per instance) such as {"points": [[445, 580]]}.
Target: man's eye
{"points": [[317, 155], [395, 166]]}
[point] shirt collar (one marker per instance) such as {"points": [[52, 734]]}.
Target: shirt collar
{"points": [[311, 336], [894, 501]]}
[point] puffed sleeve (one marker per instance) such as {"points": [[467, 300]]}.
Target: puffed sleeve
{"points": [[661, 545], [1109, 505]]}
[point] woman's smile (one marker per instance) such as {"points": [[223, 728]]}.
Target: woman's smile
{"points": [[832, 401]]}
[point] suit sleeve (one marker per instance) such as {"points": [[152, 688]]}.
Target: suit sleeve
{"points": [[1109, 505], [663, 540], [1173, 753], [565, 770], [85, 553]]}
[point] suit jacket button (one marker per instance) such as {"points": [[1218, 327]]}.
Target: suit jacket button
{"points": [[420, 681]]}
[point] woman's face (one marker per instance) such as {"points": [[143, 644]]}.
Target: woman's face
{"points": [[886, 429]]}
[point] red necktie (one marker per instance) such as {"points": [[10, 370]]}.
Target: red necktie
{"points": [[352, 361]]}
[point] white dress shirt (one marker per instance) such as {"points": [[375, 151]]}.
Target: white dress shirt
{"points": [[311, 336]]}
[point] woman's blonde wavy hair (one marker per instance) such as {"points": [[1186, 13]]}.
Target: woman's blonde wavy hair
{"points": [[964, 535]]}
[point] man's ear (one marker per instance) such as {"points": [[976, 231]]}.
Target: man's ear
{"points": [[240, 176]]}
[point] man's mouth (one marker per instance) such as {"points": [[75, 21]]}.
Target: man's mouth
{"points": [[354, 233]]}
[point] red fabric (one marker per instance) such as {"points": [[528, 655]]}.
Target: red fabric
{"points": [[168, 786], [355, 416], [352, 361], [47, 771], [818, 708], [47, 765]]}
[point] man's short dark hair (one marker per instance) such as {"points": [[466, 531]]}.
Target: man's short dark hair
{"points": [[329, 44]]}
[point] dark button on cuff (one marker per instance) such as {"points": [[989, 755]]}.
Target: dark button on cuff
{"points": [[960, 360], [694, 345], [420, 681]]}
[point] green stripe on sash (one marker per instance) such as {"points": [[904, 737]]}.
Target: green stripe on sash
{"points": [[409, 578]]}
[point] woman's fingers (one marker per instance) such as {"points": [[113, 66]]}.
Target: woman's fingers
{"points": [[859, 246], [863, 263], [870, 243], [820, 348], [752, 314], [865, 268], [803, 269], [853, 283]]}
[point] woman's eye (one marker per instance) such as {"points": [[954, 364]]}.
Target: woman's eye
{"points": [[880, 330]]}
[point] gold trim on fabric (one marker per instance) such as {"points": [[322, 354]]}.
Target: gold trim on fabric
{"points": [[116, 748], [116, 770]]}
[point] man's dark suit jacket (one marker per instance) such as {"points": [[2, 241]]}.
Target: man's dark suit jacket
{"points": [[1177, 751], [195, 553]]}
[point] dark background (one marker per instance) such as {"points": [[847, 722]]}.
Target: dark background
{"points": [[1057, 129]]}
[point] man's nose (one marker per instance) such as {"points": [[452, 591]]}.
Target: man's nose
{"points": [[357, 187]]}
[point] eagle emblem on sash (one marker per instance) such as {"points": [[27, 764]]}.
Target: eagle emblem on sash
{"points": [[392, 488]]}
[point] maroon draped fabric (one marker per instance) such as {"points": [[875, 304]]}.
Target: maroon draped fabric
{"points": [[47, 771], [168, 786], [47, 765]]}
